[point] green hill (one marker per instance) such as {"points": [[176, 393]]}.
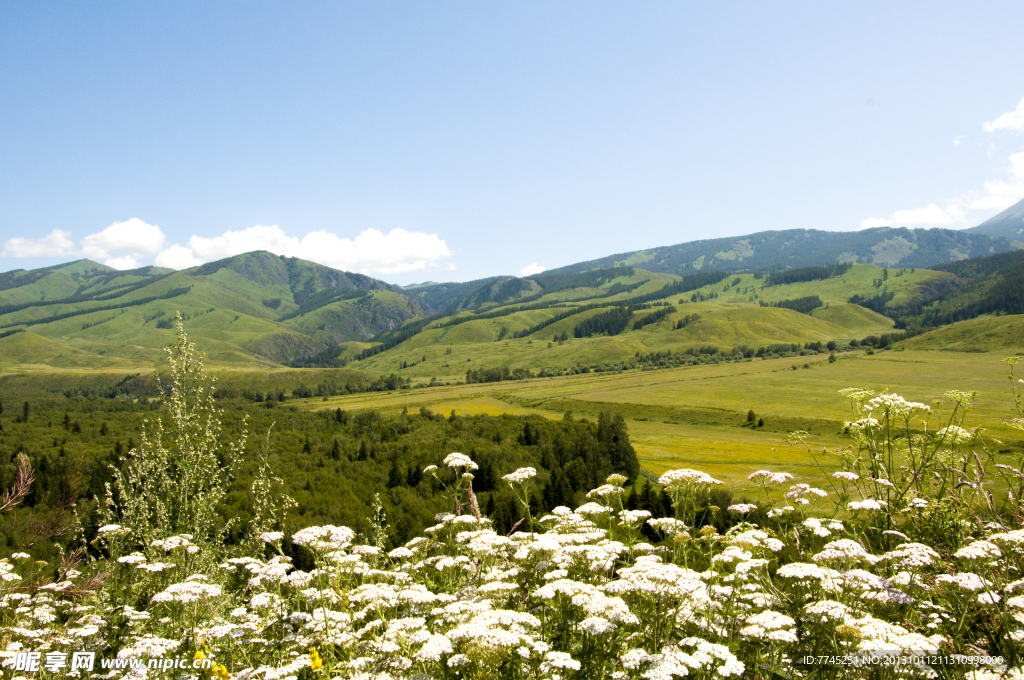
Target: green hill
{"points": [[249, 309], [497, 291], [260, 309], [29, 349], [983, 334], [538, 331], [854, 318], [986, 285]]}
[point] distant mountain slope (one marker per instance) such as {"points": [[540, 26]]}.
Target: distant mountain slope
{"points": [[446, 298], [442, 297], [665, 314], [762, 252], [771, 250], [1008, 224], [260, 308], [80, 280]]}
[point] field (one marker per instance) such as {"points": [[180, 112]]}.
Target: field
{"points": [[678, 417], [696, 416]]}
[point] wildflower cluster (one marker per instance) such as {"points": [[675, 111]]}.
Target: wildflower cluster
{"points": [[583, 597], [904, 562]]}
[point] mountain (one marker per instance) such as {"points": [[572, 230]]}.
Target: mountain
{"points": [[624, 316], [255, 307], [446, 298], [793, 248], [761, 252], [442, 297], [262, 309], [606, 319], [1008, 224]]}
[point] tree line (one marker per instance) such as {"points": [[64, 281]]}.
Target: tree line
{"points": [[172, 293], [332, 462], [489, 375], [653, 318], [612, 322], [826, 271], [804, 305], [686, 321]]}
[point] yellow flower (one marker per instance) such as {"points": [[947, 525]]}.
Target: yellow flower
{"points": [[315, 661], [198, 655], [221, 672]]}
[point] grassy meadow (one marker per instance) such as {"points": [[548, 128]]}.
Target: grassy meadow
{"points": [[692, 416], [696, 416]]}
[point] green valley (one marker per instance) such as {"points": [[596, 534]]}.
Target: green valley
{"points": [[684, 359], [708, 368]]}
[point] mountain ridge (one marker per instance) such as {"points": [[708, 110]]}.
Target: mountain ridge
{"points": [[796, 248], [1008, 224], [265, 309], [764, 252]]}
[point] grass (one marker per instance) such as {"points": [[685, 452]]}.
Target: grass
{"points": [[976, 335], [684, 417], [854, 318], [474, 344], [695, 416], [859, 279]]}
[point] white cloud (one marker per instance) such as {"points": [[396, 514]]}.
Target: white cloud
{"points": [[872, 222], [123, 262], [995, 194], [929, 216], [55, 244], [531, 269], [371, 251], [999, 194], [177, 257], [125, 245], [132, 237], [231, 243], [1011, 120]]}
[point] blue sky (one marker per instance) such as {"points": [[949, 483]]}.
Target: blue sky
{"points": [[451, 141]]}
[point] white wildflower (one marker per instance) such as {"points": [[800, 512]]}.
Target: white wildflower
{"points": [[979, 550], [456, 459], [520, 476], [866, 504], [674, 479], [770, 477]]}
